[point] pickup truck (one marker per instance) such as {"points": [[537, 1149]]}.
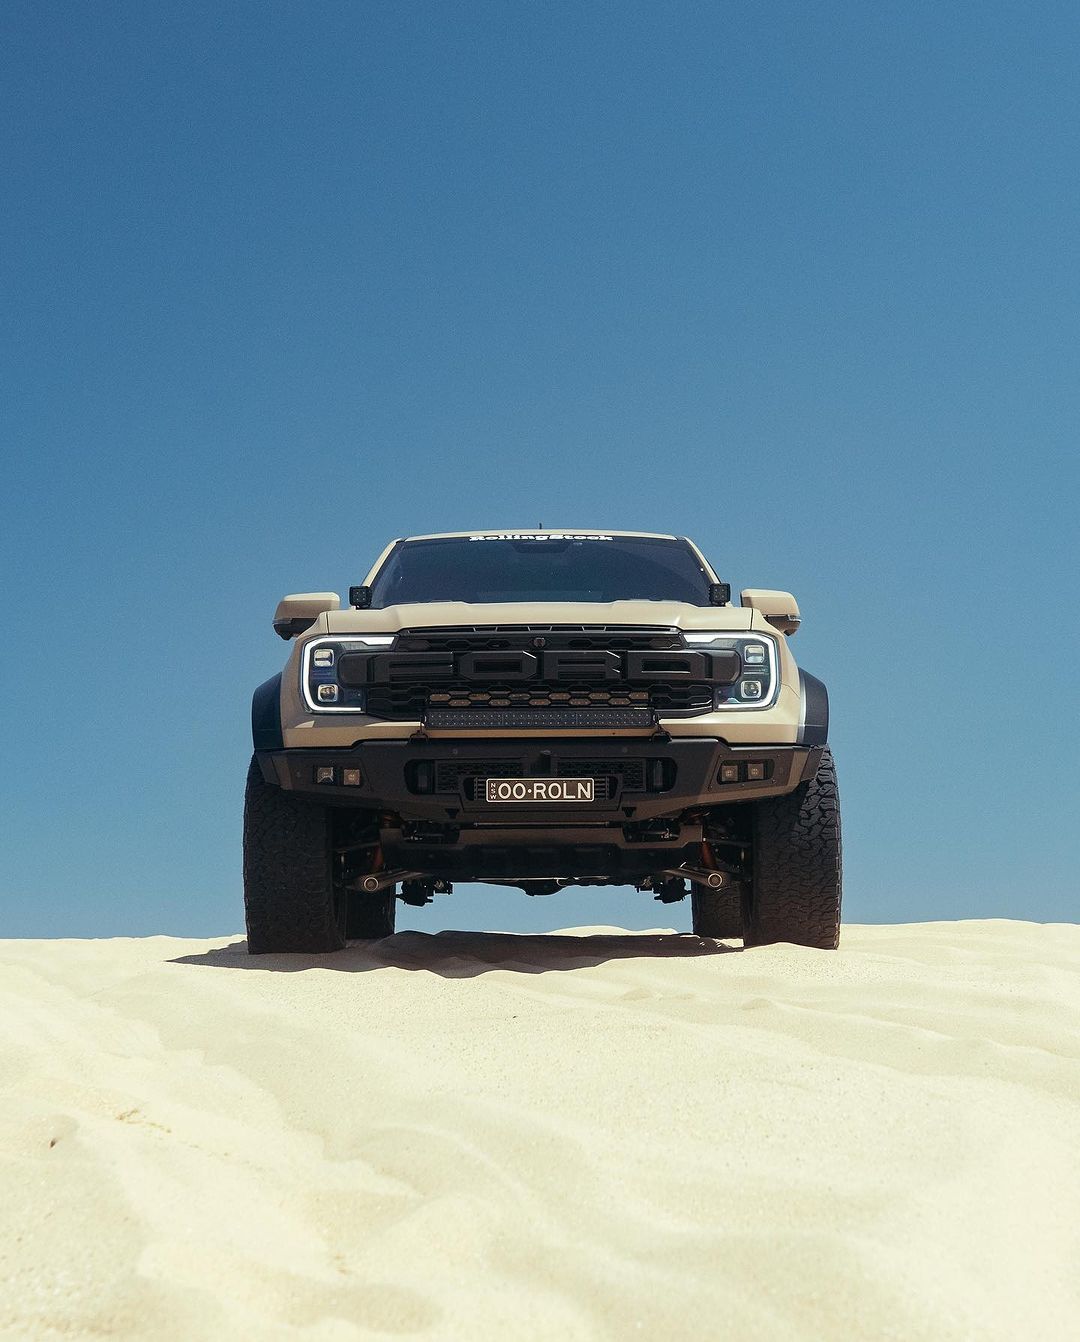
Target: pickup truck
{"points": [[540, 709]]}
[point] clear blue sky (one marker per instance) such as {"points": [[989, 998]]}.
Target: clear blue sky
{"points": [[283, 281]]}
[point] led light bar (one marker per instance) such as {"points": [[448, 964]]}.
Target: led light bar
{"points": [[638, 719]]}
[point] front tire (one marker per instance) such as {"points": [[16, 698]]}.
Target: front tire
{"points": [[291, 900], [371, 916], [797, 865], [716, 913]]}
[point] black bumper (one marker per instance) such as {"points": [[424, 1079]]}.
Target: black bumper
{"points": [[636, 779]]}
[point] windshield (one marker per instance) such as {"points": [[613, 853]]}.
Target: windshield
{"points": [[487, 569]]}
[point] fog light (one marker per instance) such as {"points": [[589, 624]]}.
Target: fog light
{"points": [[350, 777], [323, 657], [750, 689], [327, 694], [754, 654], [729, 773], [755, 771], [324, 773]]}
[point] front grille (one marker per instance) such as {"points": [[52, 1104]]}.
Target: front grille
{"points": [[405, 702], [619, 676]]}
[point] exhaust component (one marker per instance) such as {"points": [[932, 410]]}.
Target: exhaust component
{"points": [[712, 880], [379, 880]]}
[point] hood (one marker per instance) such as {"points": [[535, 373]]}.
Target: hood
{"points": [[437, 614]]}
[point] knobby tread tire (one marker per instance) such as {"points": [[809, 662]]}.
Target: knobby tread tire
{"points": [[798, 872], [371, 916], [716, 913], [290, 900]]}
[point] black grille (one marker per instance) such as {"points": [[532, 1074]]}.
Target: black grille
{"points": [[618, 673], [412, 701]]}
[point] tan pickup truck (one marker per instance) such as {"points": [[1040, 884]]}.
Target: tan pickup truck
{"points": [[540, 709]]}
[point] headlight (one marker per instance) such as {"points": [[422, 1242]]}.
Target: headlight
{"points": [[755, 681], [333, 674]]}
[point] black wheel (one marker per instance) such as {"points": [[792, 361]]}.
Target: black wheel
{"points": [[797, 865], [371, 916], [716, 913], [290, 898]]}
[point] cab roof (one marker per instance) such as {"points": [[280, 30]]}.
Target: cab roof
{"points": [[527, 533]]}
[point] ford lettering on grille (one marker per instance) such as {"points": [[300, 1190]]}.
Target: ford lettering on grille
{"points": [[548, 677], [540, 789]]}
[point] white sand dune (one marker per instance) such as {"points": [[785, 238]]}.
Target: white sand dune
{"points": [[601, 1135]]}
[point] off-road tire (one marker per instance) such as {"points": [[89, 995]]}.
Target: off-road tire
{"points": [[797, 865], [291, 901], [371, 916], [716, 913]]}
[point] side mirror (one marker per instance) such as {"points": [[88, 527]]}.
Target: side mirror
{"points": [[779, 608], [296, 613]]}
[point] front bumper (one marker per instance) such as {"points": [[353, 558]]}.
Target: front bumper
{"points": [[638, 778]]}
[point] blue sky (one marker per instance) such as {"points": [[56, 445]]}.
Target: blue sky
{"points": [[283, 281]]}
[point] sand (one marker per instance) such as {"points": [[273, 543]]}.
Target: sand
{"points": [[587, 1135]]}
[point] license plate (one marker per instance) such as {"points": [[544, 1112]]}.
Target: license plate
{"points": [[540, 789]]}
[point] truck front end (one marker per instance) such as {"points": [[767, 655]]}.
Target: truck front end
{"points": [[541, 709]]}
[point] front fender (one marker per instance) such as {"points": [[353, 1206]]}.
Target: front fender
{"points": [[814, 711], [266, 715]]}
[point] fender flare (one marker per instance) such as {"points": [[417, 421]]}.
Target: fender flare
{"points": [[813, 711], [266, 715]]}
